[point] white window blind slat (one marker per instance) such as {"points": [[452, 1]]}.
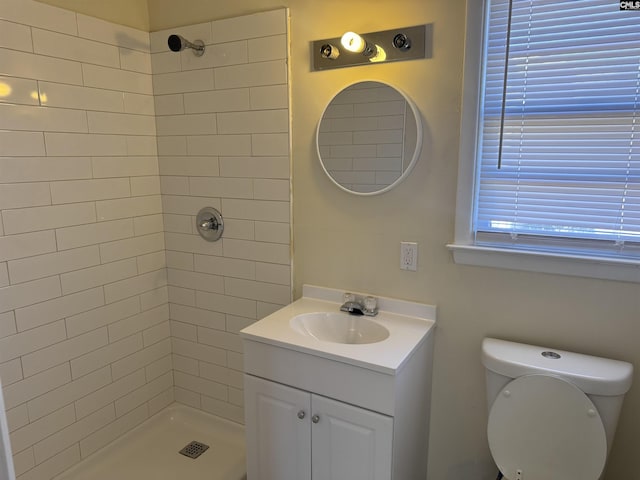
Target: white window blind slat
{"points": [[568, 134]]}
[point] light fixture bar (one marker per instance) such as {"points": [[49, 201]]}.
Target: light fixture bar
{"points": [[407, 43]]}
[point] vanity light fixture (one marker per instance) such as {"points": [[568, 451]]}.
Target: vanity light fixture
{"points": [[408, 43]]}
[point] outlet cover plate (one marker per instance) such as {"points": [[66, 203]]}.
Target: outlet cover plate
{"points": [[409, 256]]}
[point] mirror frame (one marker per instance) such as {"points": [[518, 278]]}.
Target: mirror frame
{"points": [[416, 153]]}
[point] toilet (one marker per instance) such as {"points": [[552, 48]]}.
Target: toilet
{"points": [[552, 414]]}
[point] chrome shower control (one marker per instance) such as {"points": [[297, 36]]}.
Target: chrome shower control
{"points": [[209, 224]]}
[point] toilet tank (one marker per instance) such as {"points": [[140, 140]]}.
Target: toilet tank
{"points": [[603, 380]]}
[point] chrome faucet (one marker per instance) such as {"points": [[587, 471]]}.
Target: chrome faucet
{"points": [[359, 305], [353, 307]]}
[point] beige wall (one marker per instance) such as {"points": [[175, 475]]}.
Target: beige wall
{"points": [[133, 13], [349, 242]]}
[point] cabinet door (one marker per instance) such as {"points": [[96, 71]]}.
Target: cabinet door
{"points": [[349, 442], [278, 441]]}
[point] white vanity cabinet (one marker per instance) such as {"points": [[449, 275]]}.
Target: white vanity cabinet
{"points": [[278, 439], [296, 435], [332, 410]]}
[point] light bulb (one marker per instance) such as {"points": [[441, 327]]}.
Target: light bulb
{"points": [[353, 42], [329, 51], [379, 56], [5, 89]]}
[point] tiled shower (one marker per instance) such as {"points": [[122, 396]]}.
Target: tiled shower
{"points": [[111, 305]]}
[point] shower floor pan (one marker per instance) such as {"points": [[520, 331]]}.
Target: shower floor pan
{"points": [[151, 450]]}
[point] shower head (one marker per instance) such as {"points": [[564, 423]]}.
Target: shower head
{"points": [[177, 44]]}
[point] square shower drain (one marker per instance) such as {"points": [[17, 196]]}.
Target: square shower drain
{"points": [[194, 449]]}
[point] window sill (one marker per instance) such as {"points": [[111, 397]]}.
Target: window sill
{"points": [[625, 270]]}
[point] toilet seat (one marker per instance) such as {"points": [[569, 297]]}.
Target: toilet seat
{"points": [[546, 428]]}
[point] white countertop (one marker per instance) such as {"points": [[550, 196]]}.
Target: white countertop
{"points": [[409, 324]]}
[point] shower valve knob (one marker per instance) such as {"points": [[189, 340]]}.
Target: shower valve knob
{"points": [[211, 224]]}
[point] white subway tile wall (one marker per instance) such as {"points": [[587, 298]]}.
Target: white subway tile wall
{"points": [[84, 325], [222, 122], [111, 305]]}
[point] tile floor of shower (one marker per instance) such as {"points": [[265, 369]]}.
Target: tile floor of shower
{"points": [[151, 450]]}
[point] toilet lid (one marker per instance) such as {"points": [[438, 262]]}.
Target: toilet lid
{"points": [[543, 427]]}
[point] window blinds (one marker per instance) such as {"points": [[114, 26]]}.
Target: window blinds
{"points": [[570, 161]]}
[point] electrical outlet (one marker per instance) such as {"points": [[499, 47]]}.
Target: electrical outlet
{"points": [[409, 256]]}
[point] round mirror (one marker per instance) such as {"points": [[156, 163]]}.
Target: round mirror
{"points": [[369, 138]]}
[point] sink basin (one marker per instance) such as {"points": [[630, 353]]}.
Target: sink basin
{"points": [[339, 328], [314, 326]]}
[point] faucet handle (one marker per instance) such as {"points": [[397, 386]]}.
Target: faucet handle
{"points": [[348, 297], [370, 305]]}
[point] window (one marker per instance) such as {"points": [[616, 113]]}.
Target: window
{"points": [[550, 153]]}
